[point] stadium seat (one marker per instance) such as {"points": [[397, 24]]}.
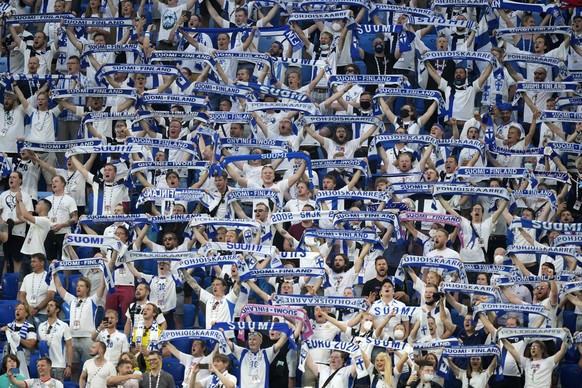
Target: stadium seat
{"points": [[207, 282], [183, 344], [173, 367], [32, 365], [67, 312], [201, 319], [570, 376], [7, 307], [570, 320], [265, 43], [10, 285], [70, 384], [72, 285], [189, 316]]}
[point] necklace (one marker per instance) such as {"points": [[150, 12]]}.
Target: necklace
{"points": [[157, 379], [43, 122], [55, 210]]}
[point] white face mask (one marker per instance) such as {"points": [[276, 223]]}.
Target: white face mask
{"points": [[427, 377], [398, 334], [336, 27], [498, 260], [324, 46], [432, 233], [367, 325]]}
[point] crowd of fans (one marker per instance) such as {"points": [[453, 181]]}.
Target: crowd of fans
{"points": [[389, 191]]}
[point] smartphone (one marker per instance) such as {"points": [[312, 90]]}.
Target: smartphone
{"points": [[105, 321], [203, 366], [188, 14], [14, 371]]}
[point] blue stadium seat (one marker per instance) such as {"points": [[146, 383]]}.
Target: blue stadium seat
{"points": [[32, 365], [207, 282], [430, 41], [570, 376], [457, 319], [70, 384], [183, 344], [7, 307], [173, 367], [10, 285], [72, 285], [570, 320], [265, 43], [201, 319], [67, 312], [189, 316]]}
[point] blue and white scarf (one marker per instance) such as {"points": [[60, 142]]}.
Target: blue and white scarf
{"points": [[209, 335]]}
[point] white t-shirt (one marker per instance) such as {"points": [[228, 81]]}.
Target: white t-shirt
{"points": [[34, 241], [11, 128], [377, 310], [35, 286], [538, 374], [57, 335], [62, 207], [189, 361], [254, 365], [169, 18], [340, 379], [115, 343], [213, 381], [349, 148], [478, 380], [475, 237], [37, 383], [8, 209], [42, 124], [322, 331], [339, 281], [97, 375]]}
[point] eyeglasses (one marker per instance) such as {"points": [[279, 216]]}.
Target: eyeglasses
{"points": [[48, 329], [169, 238], [259, 210], [215, 305], [350, 71]]}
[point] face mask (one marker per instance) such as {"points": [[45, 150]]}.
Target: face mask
{"points": [[432, 233], [404, 113], [398, 334], [379, 48], [427, 377], [529, 166], [367, 325], [365, 105], [336, 27], [324, 46], [459, 82], [498, 260]]}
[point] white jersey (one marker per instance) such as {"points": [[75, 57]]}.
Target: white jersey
{"points": [[55, 336], [255, 366], [97, 375]]}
